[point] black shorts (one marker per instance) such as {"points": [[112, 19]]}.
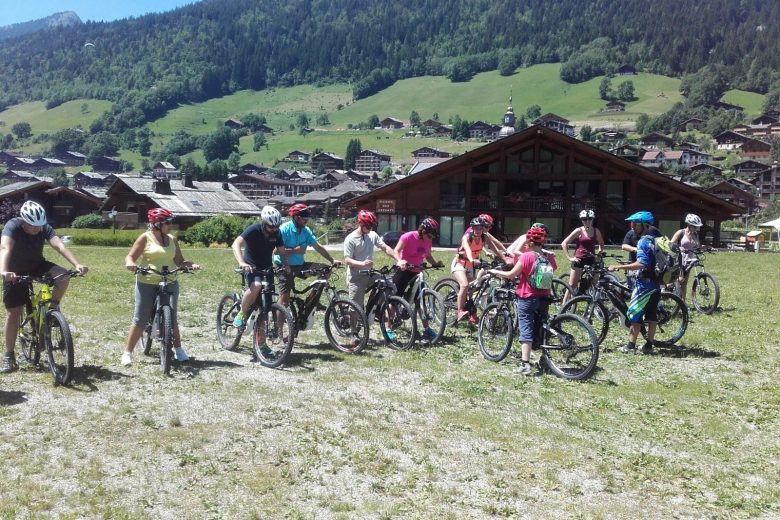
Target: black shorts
{"points": [[17, 294], [401, 279], [582, 262]]}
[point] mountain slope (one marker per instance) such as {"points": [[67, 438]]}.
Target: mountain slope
{"points": [[63, 19]]}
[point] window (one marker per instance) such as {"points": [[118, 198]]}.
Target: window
{"points": [[450, 230], [551, 163], [387, 223]]}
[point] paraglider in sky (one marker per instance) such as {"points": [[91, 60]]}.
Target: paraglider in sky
{"points": [[89, 44]]}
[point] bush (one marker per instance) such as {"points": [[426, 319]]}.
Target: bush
{"points": [[91, 221], [93, 237], [222, 229]]}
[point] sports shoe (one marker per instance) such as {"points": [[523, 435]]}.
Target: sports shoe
{"points": [[389, 335], [181, 355], [524, 369], [462, 315], [266, 352], [429, 334], [355, 341], [240, 320], [647, 348], [628, 349], [127, 359], [473, 319], [9, 364]]}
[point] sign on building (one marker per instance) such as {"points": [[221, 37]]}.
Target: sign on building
{"points": [[385, 206]]}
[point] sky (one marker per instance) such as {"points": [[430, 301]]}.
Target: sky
{"points": [[15, 11]]}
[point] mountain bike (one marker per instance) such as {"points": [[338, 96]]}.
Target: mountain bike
{"points": [[428, 305], [275, 319], [705, 289], [42, 326], [159, 327], [394, 314], [346, 325], [568, 343]]}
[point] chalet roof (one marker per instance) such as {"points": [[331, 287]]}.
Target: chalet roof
{"points": [[373, 152], [164, 165], [655, 136], [674, 155], [725, 106], [74, 193], [652, 156], [426, 162], [93, 175], [205, 199], [615, 103], [723, 184], [391, 119], [336, 176], [234, 121], [328, 155], [730, 135], [765, 120], [476, 125], [703, 166], [99, 193], [25, 160], [24, 174], [750, 163], [736, 181], [298, 152], [551, 117], [431, 123], [78, 155], [22, 187], [347, 187]]}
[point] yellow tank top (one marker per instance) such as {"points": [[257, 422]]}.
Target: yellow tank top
{"points": [[156, 256]]}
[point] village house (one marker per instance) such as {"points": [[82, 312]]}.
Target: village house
{"points": [[95, 179], [656, 141], [22, 163], [264, 129], [391, 123], [765, 119], [165, 170], [298, 156], [708, 169], [756, 150], [555, 122], [371, 161], [626, 70], [106, 164], [431, 124], [62, 204], [234, 124], [615, 106], [71, 158], [326, 161], [729, 140], [427, 151], [722, 105], [748, 169], [660, 159], [7, 157], [730, 192], [482, 130], [767, 183], [692, 123], [252, 168], [759, 131]]}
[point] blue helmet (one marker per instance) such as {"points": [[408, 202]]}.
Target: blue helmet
{"points": [[643, 217]]}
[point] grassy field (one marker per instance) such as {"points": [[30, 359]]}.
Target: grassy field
{"points": [[750, 101], [430, 433], [67, 115]]}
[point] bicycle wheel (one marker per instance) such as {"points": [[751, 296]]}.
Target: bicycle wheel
{"points": [[146, 339], [495, 332], [484, 296], [672, 320], [594, 312], [569, 348], [28, 339], [346, 326], [279, 330], [429, 308], [163, 328], [59, 347], [705, 293], [403, 330], [557, 292], [228, 335], [448, 290]]}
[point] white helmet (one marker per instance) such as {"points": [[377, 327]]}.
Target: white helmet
{"points": [[693, 220], [271, 216], [587, 213], [33, 213]]}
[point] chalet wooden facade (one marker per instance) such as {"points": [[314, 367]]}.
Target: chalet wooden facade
{"points": [[71, 158], [262, 187], [538, 175], [692, 123], [62, 205], [756, 150], [730, 192], [327, 161], [371, 161], [656, 141], [427, 151], [768, 183], [615, 106], [234, 124], [555, 122], [482, 130], [748, 169], [391, 123], [106, 164], [298, 156]]}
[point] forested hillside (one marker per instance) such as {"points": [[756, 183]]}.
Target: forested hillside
{"points": [[151, 63]]}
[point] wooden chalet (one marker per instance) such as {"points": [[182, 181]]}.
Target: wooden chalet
{"points": [[7, 157], [62, 204], [71, 158], [759, 130], [431, 124], [555, 122], [730, 140], [626, 70], [234, 124], [768, 183], [327, 161], [190, 201], [19, 176], [264, 129], [371, 161], [615, 106], [734, 194], [692, 123], [106, 164], [443, 130], [261, 187], [165, 170], [391, 123], [427, 151], [538, 175], [748, 169], [46, 163], [722, 105], [252, 168], [482, 130], [656, 141], [22, 163], [756, 150], [708, 169], [298, 156], [94, 179]]}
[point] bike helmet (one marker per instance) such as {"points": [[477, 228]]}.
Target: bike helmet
{"points": [[540, 225], [298, 210], [587, 213], [642, 217], [477, 221], [157, 216], [693, 220], [33, 213], [366, 218], [487, 219], [536, 235], [270, 216], [429, 225]]}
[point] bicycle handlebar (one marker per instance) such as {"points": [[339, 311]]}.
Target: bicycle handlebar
{"points": [[384, 271], [164, 272], [268, 271], [49, 280]]}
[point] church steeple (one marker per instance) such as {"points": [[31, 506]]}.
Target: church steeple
{"points": [[508, 121]]}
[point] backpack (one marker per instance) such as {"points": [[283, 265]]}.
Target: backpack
{"points": [[668, 260], [541, 276]]}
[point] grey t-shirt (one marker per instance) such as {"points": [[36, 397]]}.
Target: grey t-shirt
{"points": [[27, 253], [361, 247]]}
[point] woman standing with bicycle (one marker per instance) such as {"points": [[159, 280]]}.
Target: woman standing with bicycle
{"points": [[588, 240], [688, 240], [463, 264], [532, 300], [155, 248]]}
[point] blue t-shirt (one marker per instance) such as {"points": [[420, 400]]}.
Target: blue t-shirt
{"points": [[644, 255], [293, 237]]}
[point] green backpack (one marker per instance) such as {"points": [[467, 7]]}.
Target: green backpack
{"points": [[668, 260], [542, 273]]}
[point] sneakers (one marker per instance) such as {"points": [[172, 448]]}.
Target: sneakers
{"points": [[181, 355], [647, 348], [473, 319], [9, 364], [389, 335], [240, 320], [266, 353], [524, 369], [628, 349], [429, 334], [462, 315], [127, 359]]}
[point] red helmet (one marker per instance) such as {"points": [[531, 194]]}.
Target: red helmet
{"points": [[298, 209], [158, 215], [487, 219], [430, 225], [366, 218], [536, 235]]}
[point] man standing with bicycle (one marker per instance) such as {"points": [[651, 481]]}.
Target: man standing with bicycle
{"points": [[647, 291], [359, 254], [21, 253]]}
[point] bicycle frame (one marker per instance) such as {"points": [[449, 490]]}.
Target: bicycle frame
{"points": [[306, 307]]}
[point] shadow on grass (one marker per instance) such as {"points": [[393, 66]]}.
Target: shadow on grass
{"points": [[195, 366], [694, 350], [12, 397], [88, 375], [302, 360]]}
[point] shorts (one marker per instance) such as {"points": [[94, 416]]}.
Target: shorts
{"points": [[287, 280], [145, 294], [582, 262], [531, 312], [17, 294], [643, 305], [458, 266], [357, 287], [401, 280]]}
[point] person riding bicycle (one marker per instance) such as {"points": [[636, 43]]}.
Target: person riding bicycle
{"points": [[630, 241], [647, 292], [532, 303], [155, 248], [21, 253], [296, 238], [689, 241], [588, 240], [464, 263]]}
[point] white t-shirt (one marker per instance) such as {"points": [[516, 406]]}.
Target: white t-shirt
{"points": [[360, 247]]}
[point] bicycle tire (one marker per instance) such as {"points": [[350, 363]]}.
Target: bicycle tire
{"points": [[146, 339], [430, 307], [28, 339], [595, 313], [569, 348], [279, 336], [448, 289], [557, 293], [164, 325], [346, 326], [59, 347], [402, 323], [672, 320], [495, 332], [705, 293], [228, 335]]}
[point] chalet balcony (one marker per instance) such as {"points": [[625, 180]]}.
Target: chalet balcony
{"points": [[553, 203], [452, 202], [483, 202]]}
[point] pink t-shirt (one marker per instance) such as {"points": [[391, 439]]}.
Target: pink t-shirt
{"points": [[415, 249], [527, 260]]}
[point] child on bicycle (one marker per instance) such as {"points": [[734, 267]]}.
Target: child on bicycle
{"points": [[532, 302], [21, 253], [465, 261], [155, 248], [647, 291], [689, 241]]}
